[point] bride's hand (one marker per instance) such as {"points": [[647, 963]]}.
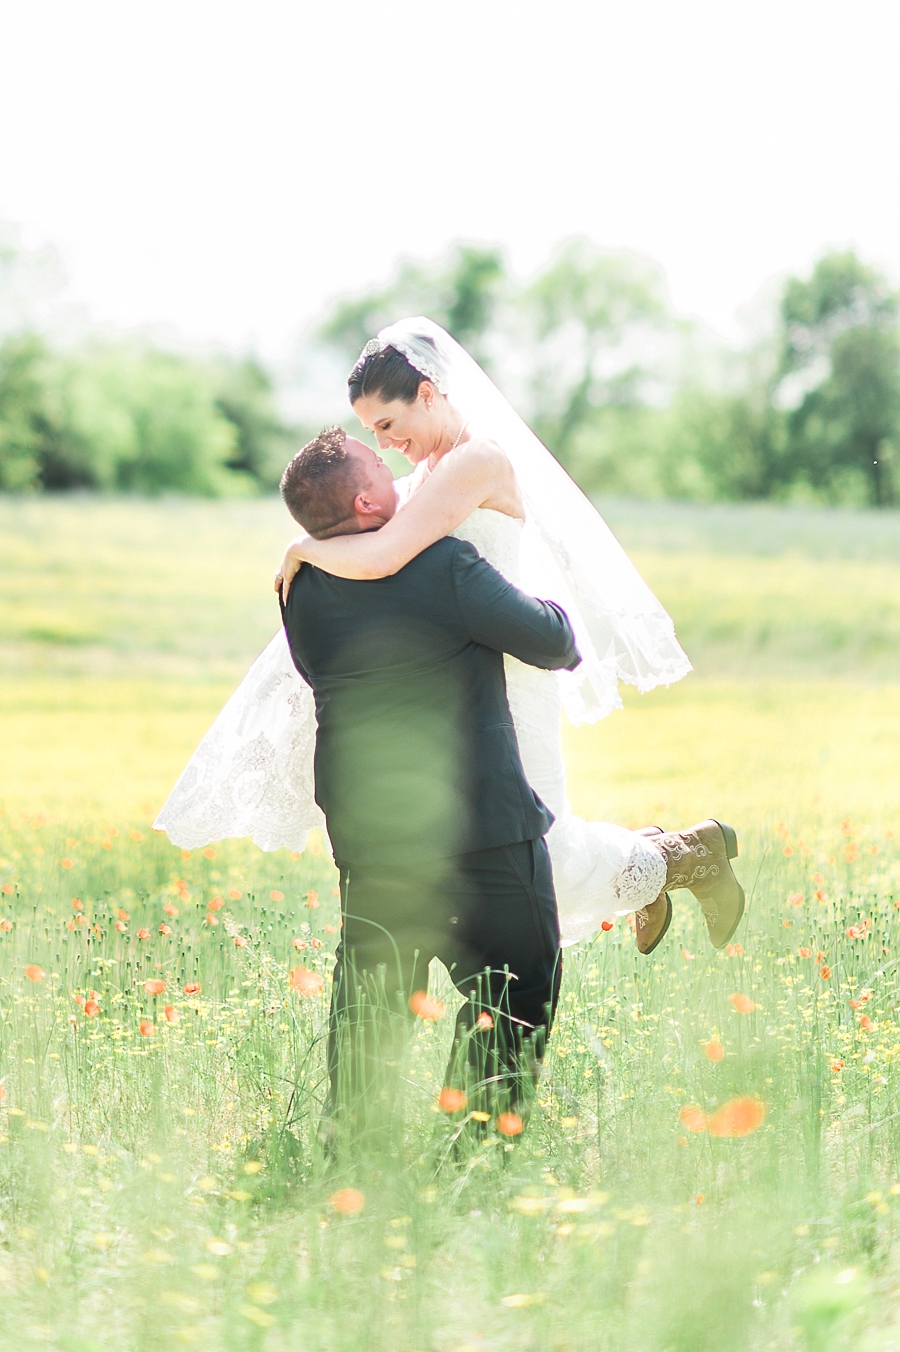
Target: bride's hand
{"points": [[290, 566]]}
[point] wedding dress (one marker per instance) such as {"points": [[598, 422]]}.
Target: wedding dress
{"points": [[252, 774]]}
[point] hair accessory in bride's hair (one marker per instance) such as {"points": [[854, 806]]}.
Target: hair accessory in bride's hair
{"points": [[421, 353], [372, 346]]}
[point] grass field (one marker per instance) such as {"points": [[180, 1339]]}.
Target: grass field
{"points": [[162, 1188]]}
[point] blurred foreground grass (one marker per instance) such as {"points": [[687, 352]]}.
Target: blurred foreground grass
{"points": [[159, 1183]]}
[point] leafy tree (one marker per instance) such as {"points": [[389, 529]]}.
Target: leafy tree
{"points": [[23, 412], [841, 354], [461, 293], [723, 444], [246, 398], [591, 316], [122, 417], [144, 421]]}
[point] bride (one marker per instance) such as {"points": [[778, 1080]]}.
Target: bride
{"points": [[480, 474]]}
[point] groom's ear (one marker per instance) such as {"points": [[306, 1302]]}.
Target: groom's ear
{"points": [[364, 506]]}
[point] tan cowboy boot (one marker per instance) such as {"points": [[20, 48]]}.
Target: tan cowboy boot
{"points": [[652, 921], [698, 859]]}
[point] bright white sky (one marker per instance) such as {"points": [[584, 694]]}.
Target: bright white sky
{"points": [[227, 166]]}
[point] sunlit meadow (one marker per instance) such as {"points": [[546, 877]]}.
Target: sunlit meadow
{"points": [[714, 1161]]}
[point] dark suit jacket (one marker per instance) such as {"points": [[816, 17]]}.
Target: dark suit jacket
{"points": [[416, 754]]}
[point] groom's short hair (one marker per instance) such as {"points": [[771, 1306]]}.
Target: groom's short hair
{"points": [[321, 482]]}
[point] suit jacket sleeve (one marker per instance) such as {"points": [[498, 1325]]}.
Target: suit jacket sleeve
{"points": [[287, 631], [498, 615]]}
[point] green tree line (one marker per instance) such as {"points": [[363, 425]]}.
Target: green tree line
{"points": [[629, 398], [128, 417]]}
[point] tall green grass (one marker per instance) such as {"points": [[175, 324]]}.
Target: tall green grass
{"points": [[164, 1187]]}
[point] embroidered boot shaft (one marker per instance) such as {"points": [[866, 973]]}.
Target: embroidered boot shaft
{"points": [[700, 860]]}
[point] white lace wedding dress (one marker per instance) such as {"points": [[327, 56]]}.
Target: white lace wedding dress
{"points": [[252, 775]]}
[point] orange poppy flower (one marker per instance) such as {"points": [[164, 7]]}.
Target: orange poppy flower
{"points": [[606, 925], [234, 893], [713, 1050], [331, 929], [121, 927], [452, 1100], [276, 895], [825, 973], [165, 929], [240, 941], [91, 1009], [209, 854], [7, 889], [35, 973], [805, 952], [171, 1013], [305, 982], [866, 1023], [347, 1201], [742, 1003], [192, 988], [77, 904], [510, 1124], [484, 1020], [147, 1028], [422, 1005], [216, 903], [155, 986], [738, 1117], [67, 863], [210, 919], [692, 1117], [6, 925], [312, 900], [143, 934], [299, 944], [170, 909]]}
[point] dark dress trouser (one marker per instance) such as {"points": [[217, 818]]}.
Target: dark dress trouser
{"points": [[491, 918]]}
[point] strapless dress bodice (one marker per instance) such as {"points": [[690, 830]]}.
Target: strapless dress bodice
{"points": [[497, 537]]}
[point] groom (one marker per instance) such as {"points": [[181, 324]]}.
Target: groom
{"points": [[437, 834]]}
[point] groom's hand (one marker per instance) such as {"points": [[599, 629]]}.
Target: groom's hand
{"points": [[290, 566]]}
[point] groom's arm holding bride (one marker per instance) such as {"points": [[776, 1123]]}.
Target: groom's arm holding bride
{"points": [[499, 616], [318, 488]]}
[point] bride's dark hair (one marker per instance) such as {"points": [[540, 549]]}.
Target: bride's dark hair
{"points": [[385, 372]]}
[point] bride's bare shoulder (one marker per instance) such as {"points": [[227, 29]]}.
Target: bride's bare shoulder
{"points": [[484, 462], [484, 456]]}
